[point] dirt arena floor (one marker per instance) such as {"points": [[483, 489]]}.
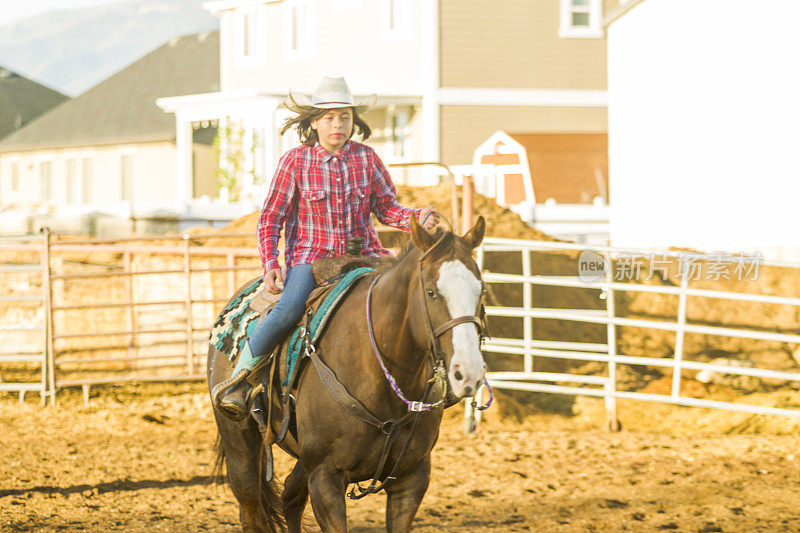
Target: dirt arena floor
{"points": [[137, 459]]}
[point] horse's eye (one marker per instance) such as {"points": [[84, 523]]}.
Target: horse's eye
{"points": [[431, 293]]}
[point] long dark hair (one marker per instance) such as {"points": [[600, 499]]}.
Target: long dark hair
{"points": [[308, 135]]}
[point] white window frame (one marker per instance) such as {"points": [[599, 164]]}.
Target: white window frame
{"points": [[71, 179], [404, 143], [87, 178], [14, 167], [46, 192], [306, 38], [344, 6], [403, 15], [258, 16], [126, 183], [595, 28]]}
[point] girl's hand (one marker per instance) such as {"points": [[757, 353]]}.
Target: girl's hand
{"points": [[428, 217], [274, 280]]}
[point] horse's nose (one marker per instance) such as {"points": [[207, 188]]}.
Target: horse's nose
{"points": [[464, 383]]}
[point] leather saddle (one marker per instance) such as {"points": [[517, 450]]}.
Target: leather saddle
{"points": [[326, 270]]}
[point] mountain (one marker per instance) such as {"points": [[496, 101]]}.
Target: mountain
{"points": [[73, 50]]}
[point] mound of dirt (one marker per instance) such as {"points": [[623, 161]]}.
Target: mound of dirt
{"points": [[500, 222]]}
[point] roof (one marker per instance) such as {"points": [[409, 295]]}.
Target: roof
{"points": [[619, 11], [563, 165], [22, 100], [123, 108]]}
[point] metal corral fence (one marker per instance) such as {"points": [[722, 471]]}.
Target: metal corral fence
{"points": [[151, 289], [113, 310], [29, 305], [606, 386]]}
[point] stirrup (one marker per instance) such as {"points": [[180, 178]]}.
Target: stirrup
{"points": [[220, 388], [234, 402]]}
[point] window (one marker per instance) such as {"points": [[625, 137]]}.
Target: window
{"points": [[342, 6], [397, 142], [72, 181], [14, 176], [87, 179], [395, 20], [299, 30], [251, 37], [126, 178], [581, 19], [45, 180]]}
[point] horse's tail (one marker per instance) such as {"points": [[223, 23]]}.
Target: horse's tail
{"points": [[217, 473], [271, 498], [270, 490]]}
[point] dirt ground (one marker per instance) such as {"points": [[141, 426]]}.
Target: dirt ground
{"points": [[139, 458]]}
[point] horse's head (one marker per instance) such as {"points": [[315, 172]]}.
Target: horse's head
{"points": [[449, 295]]}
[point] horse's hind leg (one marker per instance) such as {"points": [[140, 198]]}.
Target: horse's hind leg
{"points": [[326, 487], [242, 447], [294, 496], [404, 496]]}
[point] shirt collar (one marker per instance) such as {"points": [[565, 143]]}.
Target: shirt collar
{"points": [[326, 156]]}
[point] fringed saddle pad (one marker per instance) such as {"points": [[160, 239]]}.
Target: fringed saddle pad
{"points": [[317, 323], [236, 322]]}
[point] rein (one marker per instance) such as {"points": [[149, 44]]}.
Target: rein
{"points": [[435, 349], [436, 359]]}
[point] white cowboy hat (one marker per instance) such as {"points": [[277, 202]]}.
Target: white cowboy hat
{"points": [[332, 93]]}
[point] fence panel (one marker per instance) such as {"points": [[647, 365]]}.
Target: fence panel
{"points": [[24, 295], [607, 386]]}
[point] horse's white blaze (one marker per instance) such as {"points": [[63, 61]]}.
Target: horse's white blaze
{"points": [[462, 291]]}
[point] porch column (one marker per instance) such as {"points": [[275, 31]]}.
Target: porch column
{"points": [[431, 109], [184, 170], [272, 141]]}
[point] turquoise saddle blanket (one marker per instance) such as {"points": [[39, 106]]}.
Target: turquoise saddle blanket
{"points": [[238, 321]]}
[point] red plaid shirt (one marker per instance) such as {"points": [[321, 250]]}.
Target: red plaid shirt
{"points": [[324, 199]]}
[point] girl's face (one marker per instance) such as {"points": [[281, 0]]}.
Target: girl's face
{"points": [[334, 128]]}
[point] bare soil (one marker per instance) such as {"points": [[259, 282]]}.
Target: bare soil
{"points": [[139, 458]]}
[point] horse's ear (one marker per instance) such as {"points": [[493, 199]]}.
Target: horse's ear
{"points": [[475, 235], [422, 239]]}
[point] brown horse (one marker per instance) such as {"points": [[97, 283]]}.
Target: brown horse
{"points": [[432, 289]]}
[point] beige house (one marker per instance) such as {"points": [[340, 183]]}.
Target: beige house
{"points": [[109, 154], [448, 73]]}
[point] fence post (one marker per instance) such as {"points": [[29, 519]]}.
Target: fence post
{"points": [[467, 190], [679, 333], [612, 422], [527, 304], [472, 416], [50, 387], [187, 268], [454, 200], [231, 273], [131, 311]]}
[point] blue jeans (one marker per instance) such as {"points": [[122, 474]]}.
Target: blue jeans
{"points": [[272, 328]]}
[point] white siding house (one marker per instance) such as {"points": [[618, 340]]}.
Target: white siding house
{"points": [[703, 125]]}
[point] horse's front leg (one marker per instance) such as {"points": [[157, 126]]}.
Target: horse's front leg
{"points": [[326, 487], [404, 496]]}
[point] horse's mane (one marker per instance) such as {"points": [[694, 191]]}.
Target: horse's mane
{"points": [[447, 246]]}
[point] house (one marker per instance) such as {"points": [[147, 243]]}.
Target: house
{"points": [[564, 168], [22, 100], [703, 130], [109, 154], [448, 73], [556, 182]]}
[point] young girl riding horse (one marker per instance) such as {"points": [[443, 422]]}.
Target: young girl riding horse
{"points": [[323, 193]]}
